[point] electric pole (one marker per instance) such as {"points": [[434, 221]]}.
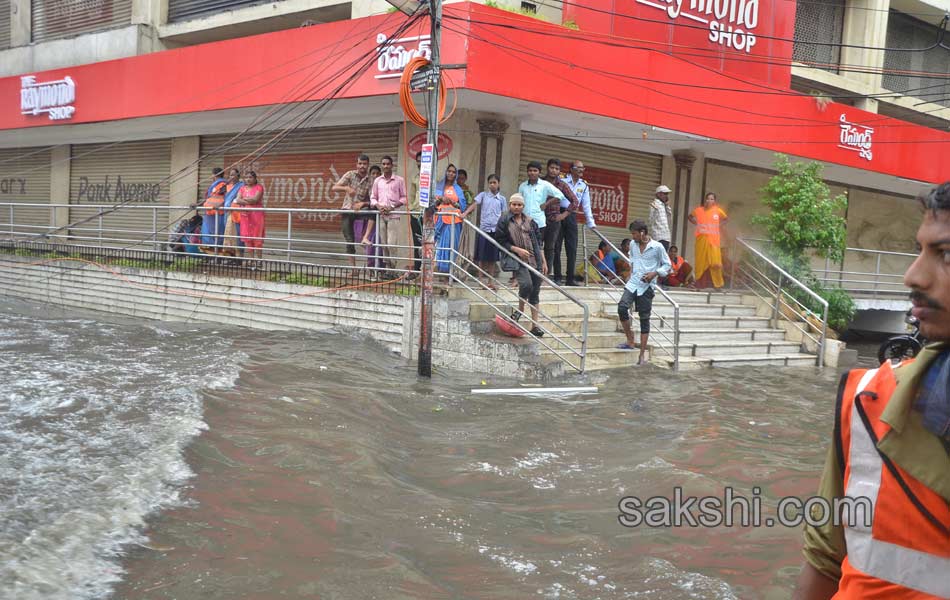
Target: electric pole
{"points": [[428, 221]]}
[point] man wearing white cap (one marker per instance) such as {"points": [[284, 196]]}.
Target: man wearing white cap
{"points": [[661, 217]]}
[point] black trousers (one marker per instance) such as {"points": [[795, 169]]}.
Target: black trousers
{"points": [[416, 224], [550, 232], [567, 238]]}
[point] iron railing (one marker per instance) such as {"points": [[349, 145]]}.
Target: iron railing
{"points": [[292, 254], [760, 275], [662, 337]]}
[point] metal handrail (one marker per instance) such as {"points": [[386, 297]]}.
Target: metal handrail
{"points": [[675, 342], [581, 354], [779, 293]]}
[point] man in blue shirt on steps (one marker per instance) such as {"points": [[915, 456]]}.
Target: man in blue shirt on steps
{"points": [[648, 263]]}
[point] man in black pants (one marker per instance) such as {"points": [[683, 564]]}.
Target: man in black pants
{"points": [[649, 263], [553, 211], [568, 235]]}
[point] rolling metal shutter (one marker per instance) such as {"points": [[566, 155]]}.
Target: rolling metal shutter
{"points": [[55, 19], [641, 172], [25, 179], [134, 174], [298, 173], [818, 29], [5, 25], [182, 10]]}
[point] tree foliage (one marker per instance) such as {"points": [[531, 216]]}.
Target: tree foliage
{"points": [[803, 218]]}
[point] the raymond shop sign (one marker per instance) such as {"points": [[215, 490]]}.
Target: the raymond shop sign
{"points": [[115, 189], [609, 195], [747, 38], [301, 181]]}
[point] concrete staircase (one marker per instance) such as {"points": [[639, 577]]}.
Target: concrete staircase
{"points": [[717, 329]]}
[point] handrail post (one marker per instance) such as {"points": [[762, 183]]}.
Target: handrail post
{"points": [[155, 228], [877, 274], [584, 330], [824, 336], [100, 229], [452, 254], [290, 225], [676, 337], [778, 299], [586, 255], [735, 261]]}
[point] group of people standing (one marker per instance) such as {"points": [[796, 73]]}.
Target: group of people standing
{"points": [[233, 232]]}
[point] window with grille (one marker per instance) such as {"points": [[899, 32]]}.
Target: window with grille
{"points": [[818, 27], [905, 72]]}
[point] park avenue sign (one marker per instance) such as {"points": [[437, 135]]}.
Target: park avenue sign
{"points": [[55, 98]]}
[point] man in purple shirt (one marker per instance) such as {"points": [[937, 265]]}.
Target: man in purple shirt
{"points": [[552, 209], [389, 198]]}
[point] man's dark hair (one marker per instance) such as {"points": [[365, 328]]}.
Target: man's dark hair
{"points": [[387, 157], [463, 172], [493, 176], [937, 199], [362, 157], [638, 225], [554, 161], [217, 171], [534, 165], [674, 248]]}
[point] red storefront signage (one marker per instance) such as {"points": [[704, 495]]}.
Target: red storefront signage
{"points": [[301, 181], [609, 196], [415, 145], [745, 38]]}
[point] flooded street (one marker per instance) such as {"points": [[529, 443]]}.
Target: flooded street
{"points": [[327, 469]]}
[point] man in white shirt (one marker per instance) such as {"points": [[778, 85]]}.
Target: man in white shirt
{"points": [[648, 263], [536, 193], [661, 217]]}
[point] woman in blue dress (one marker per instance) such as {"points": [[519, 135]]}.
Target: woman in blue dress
{"points": [[450, 201]]}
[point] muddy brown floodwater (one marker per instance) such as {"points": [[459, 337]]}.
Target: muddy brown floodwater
{"points": [[329, 470]]}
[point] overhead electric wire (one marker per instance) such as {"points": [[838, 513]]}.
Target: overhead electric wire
{"points": [[213, 91], [320, 104], [668, 22], [508, 46]]}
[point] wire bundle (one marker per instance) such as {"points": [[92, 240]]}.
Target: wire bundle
{"points": [[405, 93]]}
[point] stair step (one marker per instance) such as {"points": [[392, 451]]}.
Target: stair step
{"points": [[700, 322], [797, 359]]}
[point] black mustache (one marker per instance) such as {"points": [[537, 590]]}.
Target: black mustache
{"points": [[921, 298]]}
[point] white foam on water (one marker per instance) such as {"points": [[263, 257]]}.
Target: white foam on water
{"points": [[94, 419], [692, 585]]}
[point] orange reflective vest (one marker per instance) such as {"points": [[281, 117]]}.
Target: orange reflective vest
{"points": [[215, 201], [455, 215], [905, 553]]}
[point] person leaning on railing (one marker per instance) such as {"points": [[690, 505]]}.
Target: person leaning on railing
{"points": [[519, 234]]}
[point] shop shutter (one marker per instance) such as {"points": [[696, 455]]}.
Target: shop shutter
{"points": [[134, 174], [5, 25], [298, 173], [25, 179], [639, 171], [182, 10], [55, 19]]}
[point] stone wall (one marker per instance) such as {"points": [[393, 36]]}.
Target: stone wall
{"points": [[172, 296]]}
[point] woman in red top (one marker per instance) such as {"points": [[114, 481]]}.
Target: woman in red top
{"points": [[252, 222]]}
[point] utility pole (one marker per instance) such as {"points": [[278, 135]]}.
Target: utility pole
{"points": [[428, 221]]}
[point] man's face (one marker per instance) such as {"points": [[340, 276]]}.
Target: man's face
{"points": [[554, 171], [637, 236], [929, 277], [577, 170], [361, 167], [493, 185], [387, 167], [516, 207], [533, 174], [664, 196]]}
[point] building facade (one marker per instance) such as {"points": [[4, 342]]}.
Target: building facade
{"points": [[135, 101]]}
